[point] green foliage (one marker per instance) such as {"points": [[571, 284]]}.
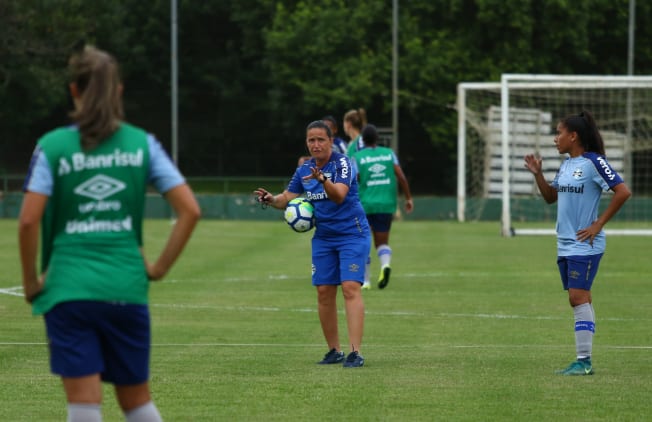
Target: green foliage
{"points": [[32, 38], [253, 72], [349, 66], [471, 328]]}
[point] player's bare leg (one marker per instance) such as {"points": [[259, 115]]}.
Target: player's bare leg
{"points": [[354, 307], [84, 396], [136, 403], [327, 308]]}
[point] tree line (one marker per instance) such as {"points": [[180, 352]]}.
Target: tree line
{"points": [[254, 73]]}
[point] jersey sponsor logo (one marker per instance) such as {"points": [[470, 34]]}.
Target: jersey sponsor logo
{"points": [[316, 196], [386, 157], [571, 189], [99, 187], [81, 161], [98, 226], [379, 182], [100, 206], [606, 168], [345, 168], [64, 166]]}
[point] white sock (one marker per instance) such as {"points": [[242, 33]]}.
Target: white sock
{"points": [[145, 413], [84, 412], [584, 329], [384, 255]]}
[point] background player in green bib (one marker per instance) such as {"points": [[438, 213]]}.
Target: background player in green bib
{"points": [[379, 171], [85, 194], [354, 120]]}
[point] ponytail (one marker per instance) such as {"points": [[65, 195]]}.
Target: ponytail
{"points": [[99, 112]]}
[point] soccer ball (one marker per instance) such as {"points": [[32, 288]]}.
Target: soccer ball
{"points": [[299, 215]]}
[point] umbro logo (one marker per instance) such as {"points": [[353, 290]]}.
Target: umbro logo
{"points": [[99, 187], [377, 168]]}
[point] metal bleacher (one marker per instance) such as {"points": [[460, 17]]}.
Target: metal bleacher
{"points": [[532, 131]]}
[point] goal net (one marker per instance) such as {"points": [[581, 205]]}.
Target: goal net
{"points": [[500, 122]]}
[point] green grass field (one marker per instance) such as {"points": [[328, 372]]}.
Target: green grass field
{"points": [[471, 328]]}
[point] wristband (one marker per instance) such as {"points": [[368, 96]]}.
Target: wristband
{"points": [[322, 179]]}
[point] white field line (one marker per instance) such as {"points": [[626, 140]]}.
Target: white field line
{"points": [[367, 312], [271, 309], [17, 291], [12, 291], [306, 278], [390, 313]]}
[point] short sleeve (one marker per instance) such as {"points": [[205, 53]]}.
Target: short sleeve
{"points": [[163, 173], [39, 176]]}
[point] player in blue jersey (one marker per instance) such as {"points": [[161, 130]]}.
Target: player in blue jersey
{"points": [[341, 241], [85, 196], [339, 144], [577, 189]]}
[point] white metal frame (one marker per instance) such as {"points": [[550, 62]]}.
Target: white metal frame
{"points": [[529, 81]]}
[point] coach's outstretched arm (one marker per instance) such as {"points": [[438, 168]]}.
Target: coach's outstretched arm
{"points": [[279, 201]]}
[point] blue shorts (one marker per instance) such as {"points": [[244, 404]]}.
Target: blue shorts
{"points": [[339, 259], [90, 337], [380, 223], [578, 272]]}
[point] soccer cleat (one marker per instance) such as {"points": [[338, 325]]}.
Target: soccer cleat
{"points": [[384, 277], [333, 356], [579, 367], [353, 360], [366, 285]]}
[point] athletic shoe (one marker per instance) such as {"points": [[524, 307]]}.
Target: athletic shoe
{"points": [[384, 277], [354, 360], [579, 367], [366, 285], [333, 356]]}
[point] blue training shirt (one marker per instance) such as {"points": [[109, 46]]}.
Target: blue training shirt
{"points": [[332, 219], [339, 145], [580, 182]]}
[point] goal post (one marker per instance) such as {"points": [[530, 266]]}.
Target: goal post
{"points": [[500, 122]]}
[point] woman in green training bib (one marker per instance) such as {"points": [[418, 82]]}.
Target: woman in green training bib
{"points": [[85, 195], [380, 175]]}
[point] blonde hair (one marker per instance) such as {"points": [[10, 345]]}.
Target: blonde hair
{"points": [[97, 77], [357, 118]]}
